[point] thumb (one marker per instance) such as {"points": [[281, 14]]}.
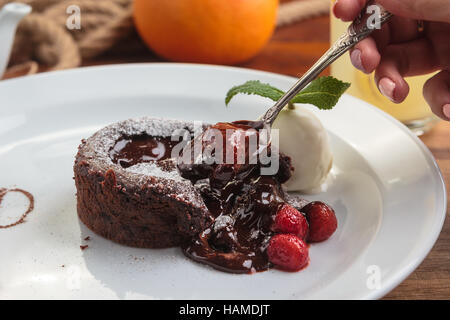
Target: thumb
{"points": [[429, 10]]}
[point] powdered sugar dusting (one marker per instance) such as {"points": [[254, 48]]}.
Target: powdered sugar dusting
{"points": [[100, 144], [156, 170], [296, 200], [161, 176]]}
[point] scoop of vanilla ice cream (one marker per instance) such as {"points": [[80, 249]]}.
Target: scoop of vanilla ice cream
{"points": [[305, 140]]}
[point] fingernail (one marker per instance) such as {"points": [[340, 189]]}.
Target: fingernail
{"points": [[446, 110], [387, 87], [355, 57]]}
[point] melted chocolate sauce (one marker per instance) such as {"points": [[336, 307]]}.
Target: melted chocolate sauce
{"points": [[242, 202], [129, 151], [4, 192], [244, 205]]}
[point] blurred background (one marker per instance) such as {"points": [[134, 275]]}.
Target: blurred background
{"points": [[283, 36], [121, 31]]}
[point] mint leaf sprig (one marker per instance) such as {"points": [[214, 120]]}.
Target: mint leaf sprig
{"points": [[324, 92]]}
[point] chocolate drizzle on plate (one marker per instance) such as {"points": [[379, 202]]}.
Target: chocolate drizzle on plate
{"points": [[4, 192]]}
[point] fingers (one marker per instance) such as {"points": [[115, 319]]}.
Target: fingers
{"points": [[437, 93], [365, 56], [402, 30], [390, 82], [348, 10], [430, 10], [402, 60], [399, 30]]}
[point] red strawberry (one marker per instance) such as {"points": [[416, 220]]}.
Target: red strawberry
{"points": [[290, 220], [322, 221], [288, 252]]}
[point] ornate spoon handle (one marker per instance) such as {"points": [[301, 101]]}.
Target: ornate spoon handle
{"points": [[372, 17]]}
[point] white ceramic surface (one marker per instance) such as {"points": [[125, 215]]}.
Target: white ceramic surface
{"points": [[385, 186]]}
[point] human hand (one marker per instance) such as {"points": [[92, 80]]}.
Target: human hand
{"points": [[400, 49]]}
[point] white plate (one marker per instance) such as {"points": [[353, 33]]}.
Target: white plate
{"points": [[387, 191]]}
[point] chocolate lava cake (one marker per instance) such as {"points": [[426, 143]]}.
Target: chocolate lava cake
{"points": [[131, 190], [128, 187]]}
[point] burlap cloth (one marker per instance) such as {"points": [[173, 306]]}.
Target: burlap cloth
{"points": [[43, 39]]}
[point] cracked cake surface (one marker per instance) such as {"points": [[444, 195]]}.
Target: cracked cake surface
{"points": [[146, 205]]}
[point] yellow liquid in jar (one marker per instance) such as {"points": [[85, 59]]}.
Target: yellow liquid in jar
{"points": [[414, 108]]}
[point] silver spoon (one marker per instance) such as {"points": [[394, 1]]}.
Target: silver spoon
{"points": [[372, 17]]}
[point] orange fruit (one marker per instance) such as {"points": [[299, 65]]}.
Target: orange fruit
{"points": [[206, 31]]}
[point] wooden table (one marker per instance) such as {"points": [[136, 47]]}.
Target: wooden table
{"points": [[291, 51]]}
